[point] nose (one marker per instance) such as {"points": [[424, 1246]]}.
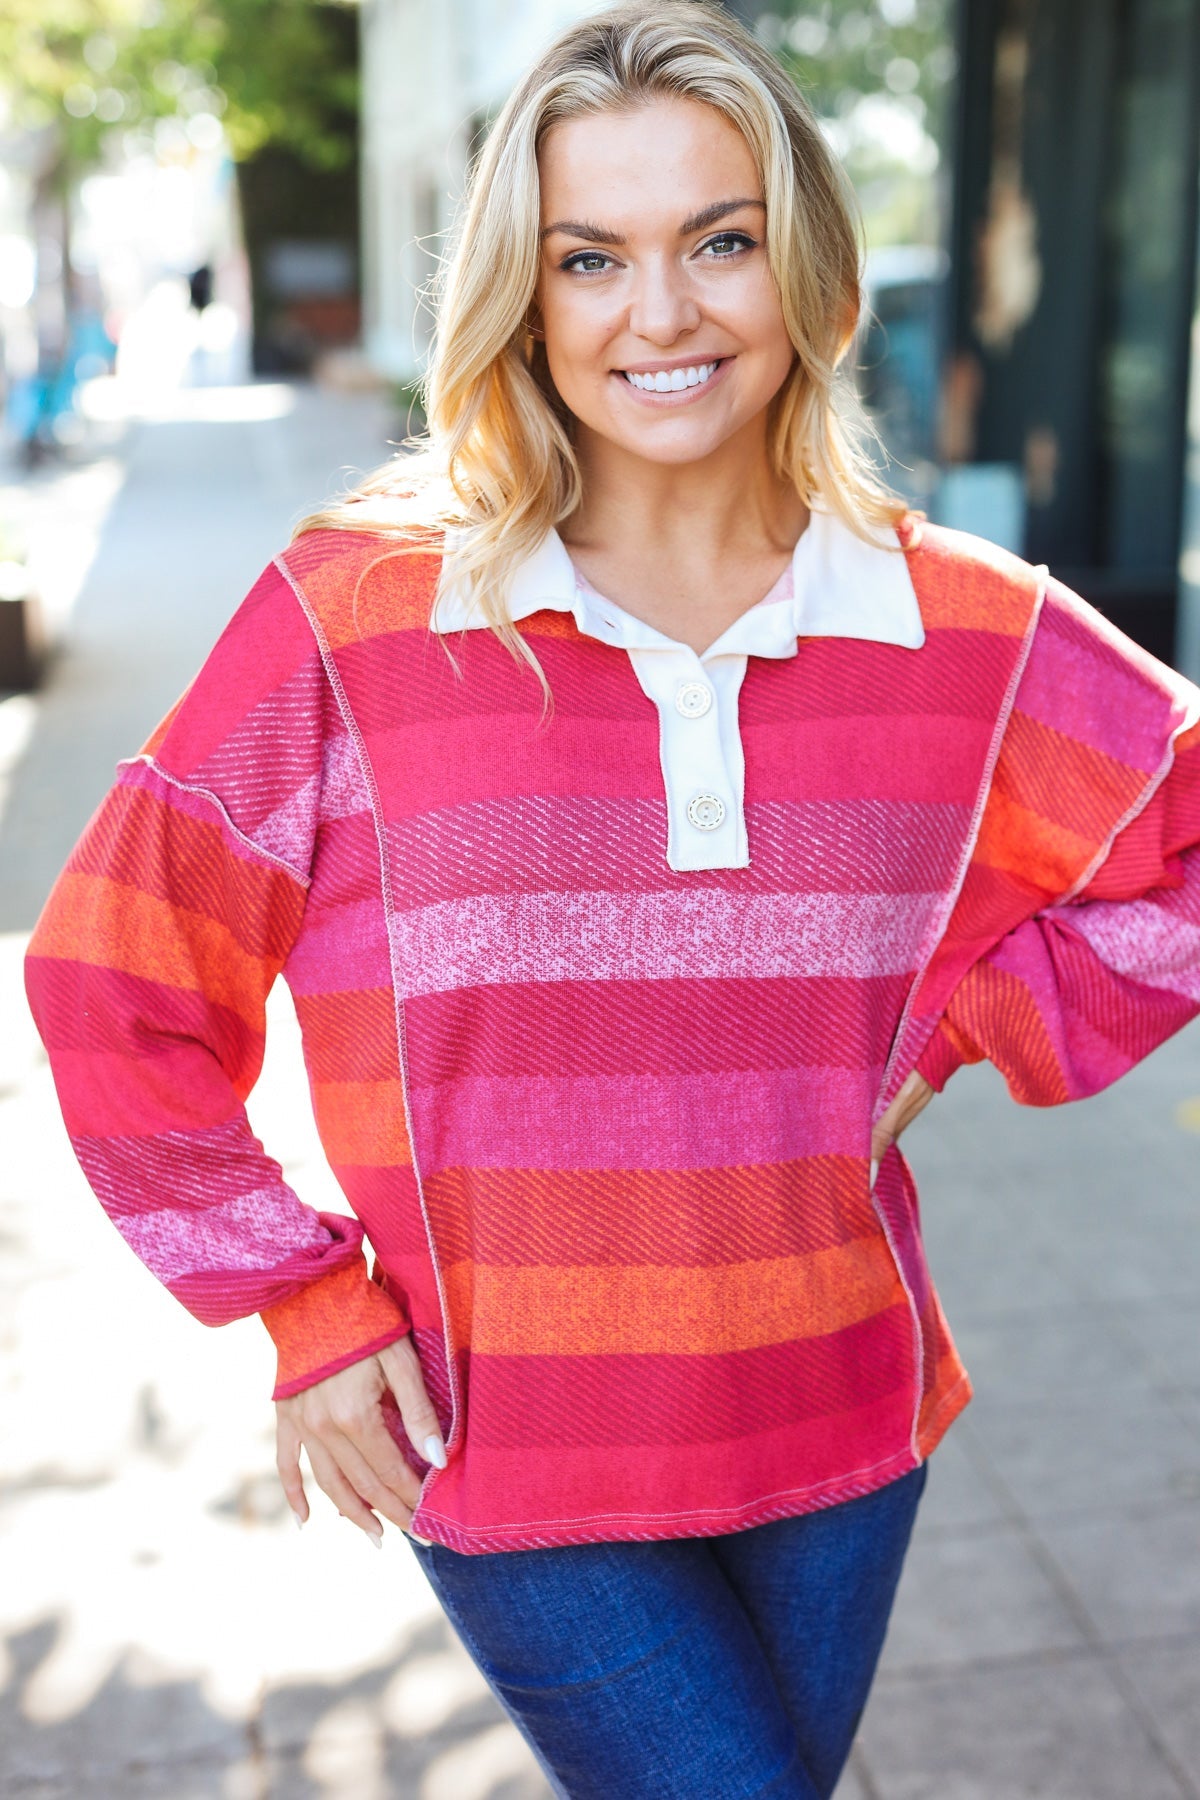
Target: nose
{"points": [[663, 306]]}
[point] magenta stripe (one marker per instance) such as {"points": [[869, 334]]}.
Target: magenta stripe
{"points": [[727, 1119], [343, 948], [543, 843]]}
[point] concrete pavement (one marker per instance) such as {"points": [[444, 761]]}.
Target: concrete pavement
{"points": [[165, 1632]]}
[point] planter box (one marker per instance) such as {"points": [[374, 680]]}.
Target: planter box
{"points": [[22, 638]]}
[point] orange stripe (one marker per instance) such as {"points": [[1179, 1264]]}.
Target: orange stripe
{"points": [[552, 1311], [364, 585], [362, 1122], [1075, 785], [92, 920], [985, 590], [995, 1009], [1024, 844]]}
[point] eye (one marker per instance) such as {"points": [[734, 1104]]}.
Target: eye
{"points": [[586, 262], [728, 244]]}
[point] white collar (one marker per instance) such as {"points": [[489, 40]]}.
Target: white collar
{"points": [[842, 586]]}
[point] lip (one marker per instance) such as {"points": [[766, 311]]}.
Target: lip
{"points": [[673, 396]]}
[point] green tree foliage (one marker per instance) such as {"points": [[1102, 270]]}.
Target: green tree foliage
{"points": [[274, 72], [843, 50], [847, 56]]}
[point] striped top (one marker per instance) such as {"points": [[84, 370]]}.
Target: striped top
{"points": [[835, 584], [606, 1124]]}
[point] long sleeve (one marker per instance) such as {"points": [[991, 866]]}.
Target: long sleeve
{"points": [[1072, 996], [148, 974]]}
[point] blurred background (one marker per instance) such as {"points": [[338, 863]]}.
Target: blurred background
{"points": [[217, 218]]}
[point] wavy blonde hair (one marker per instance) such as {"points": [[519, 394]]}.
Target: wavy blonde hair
{"points": [[498, 465]]}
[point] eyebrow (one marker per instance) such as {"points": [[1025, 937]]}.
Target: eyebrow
{"points": [[600, 234]]}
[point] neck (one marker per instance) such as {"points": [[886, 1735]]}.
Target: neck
{"points": [[700, 514]]}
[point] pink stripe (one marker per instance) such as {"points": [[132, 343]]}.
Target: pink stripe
{"points": [[656, 937], [1155, 941], [726, 1119], [1079, 685], [256, 1231]]}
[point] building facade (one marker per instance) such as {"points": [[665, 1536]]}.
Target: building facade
{"points": [[433, 73], [1054, 350]]}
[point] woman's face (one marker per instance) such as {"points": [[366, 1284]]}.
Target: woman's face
{"points": [[663, 328]]}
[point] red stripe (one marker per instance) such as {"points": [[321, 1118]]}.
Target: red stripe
{"points": [[629, 1402], [651, 1027]]}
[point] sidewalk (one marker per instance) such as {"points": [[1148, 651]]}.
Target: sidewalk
{"points": [[166, 1633]]}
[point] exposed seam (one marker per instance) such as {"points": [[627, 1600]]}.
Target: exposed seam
{"points": [[368, 775], [936, 933], [1154, 782], [705, 1512], [989, 769], [951, 1393], [203, 793], [914, 1314]]}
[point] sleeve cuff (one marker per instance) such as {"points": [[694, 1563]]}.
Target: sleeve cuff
{"points": [[940, 1058], [331, 1323]]}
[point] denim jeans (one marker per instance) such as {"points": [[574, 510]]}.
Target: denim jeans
{"points": [[716, 1668]]}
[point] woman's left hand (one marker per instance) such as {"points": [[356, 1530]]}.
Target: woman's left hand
{"points": [[913, 1098]]}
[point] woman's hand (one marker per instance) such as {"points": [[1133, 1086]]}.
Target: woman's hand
{"points": [[354, 1457], [913, 1098]]}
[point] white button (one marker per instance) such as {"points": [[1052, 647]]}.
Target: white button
{"points": [[693, 699], [706, 811]]}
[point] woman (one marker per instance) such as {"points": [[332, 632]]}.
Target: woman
{"points": [[630, 915]]}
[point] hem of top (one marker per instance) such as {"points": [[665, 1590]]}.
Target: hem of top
{"points": [[285, 1389], [644, 1527], [954, 1401]]}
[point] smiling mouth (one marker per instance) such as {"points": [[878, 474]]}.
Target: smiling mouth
{"points": [[673, 381]]}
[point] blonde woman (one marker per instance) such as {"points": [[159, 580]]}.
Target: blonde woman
{"points": [[647, 815]]}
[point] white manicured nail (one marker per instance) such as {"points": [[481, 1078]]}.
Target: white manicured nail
{"points": [[874, 1171], [376, 1538], [420, 1540], [435, 1451], [299, 1518]]}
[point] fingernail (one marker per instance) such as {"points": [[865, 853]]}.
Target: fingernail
{"points": [[435, 1451], [420, 1540], [299, 1518], [376, 1538], [874, 1170]]}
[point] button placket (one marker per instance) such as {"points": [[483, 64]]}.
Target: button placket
{"points": [[702, 799]]}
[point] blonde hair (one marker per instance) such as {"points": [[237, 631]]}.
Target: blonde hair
{"points": [[498, 464]]}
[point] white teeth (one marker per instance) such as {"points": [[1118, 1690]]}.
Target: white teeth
{"points": [[671, 381]]}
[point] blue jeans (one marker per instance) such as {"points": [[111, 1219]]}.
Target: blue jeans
{"points": [[714, 1668]]}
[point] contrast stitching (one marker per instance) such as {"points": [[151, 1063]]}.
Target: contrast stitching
{"points": [[981, 799], [203, 793], [1154, 782], [710, 1512], [368, 774]]}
